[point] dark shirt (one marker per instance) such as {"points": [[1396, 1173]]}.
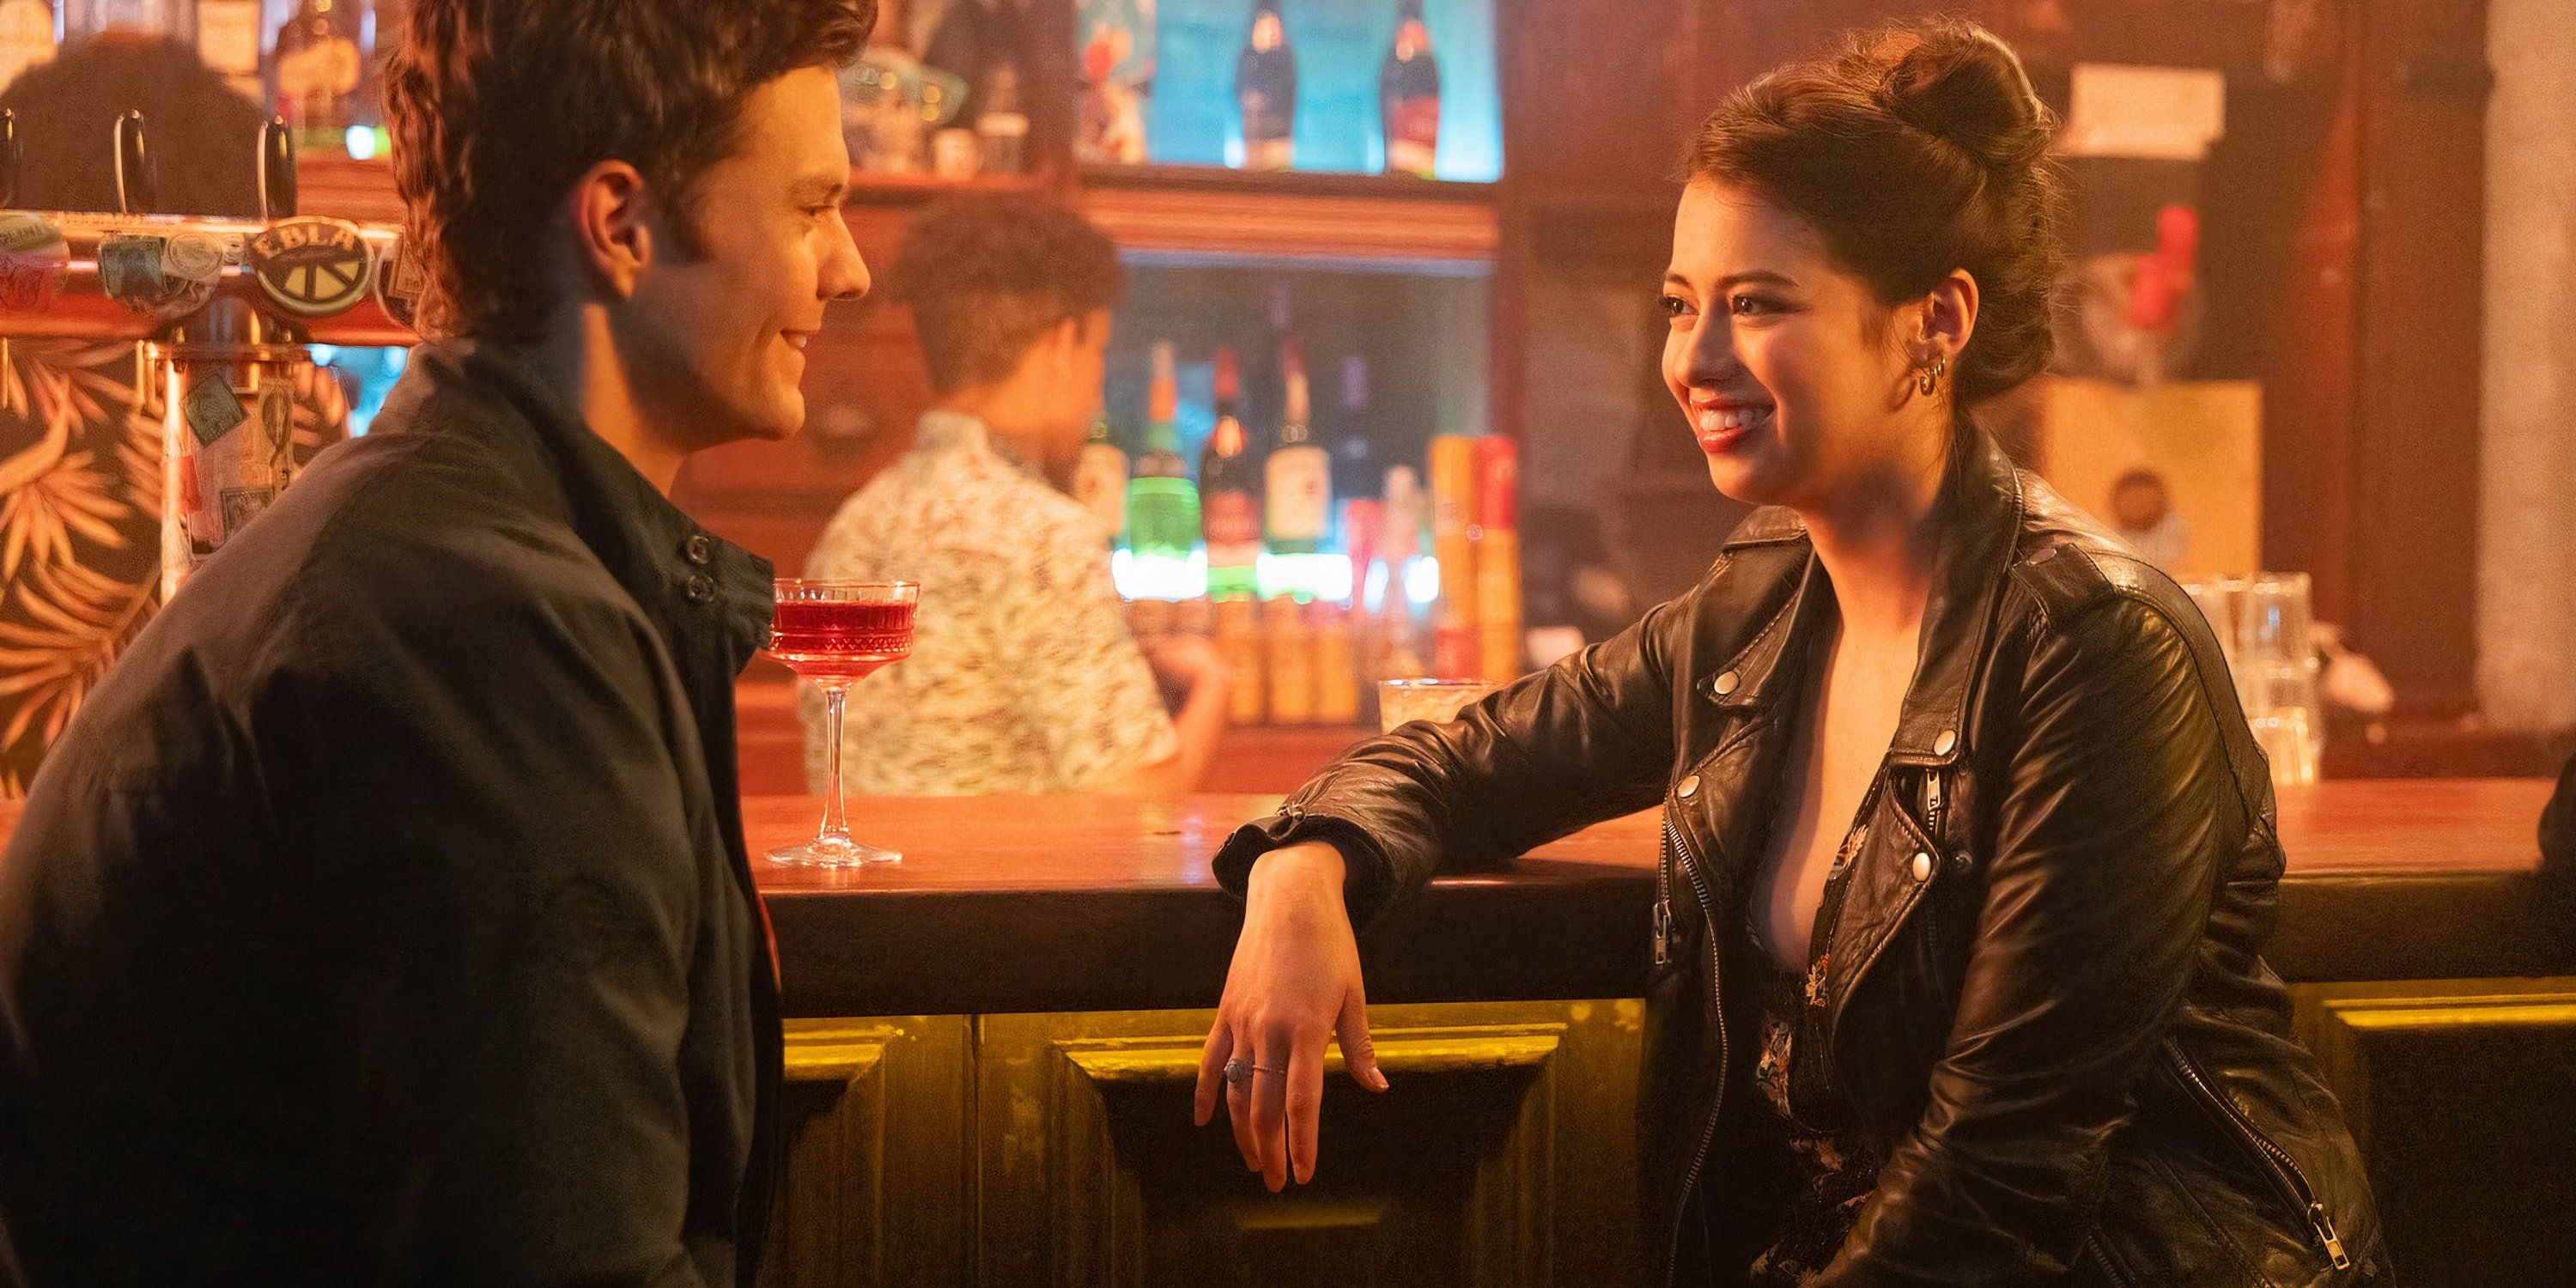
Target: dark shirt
{"points": [[385, 917]]}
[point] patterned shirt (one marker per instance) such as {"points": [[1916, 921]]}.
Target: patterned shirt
{"points": [[1023, 677]]}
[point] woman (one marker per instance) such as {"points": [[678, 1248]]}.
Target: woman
{"points": [[1967, 852]]}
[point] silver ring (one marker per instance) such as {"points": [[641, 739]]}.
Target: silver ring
{"points": [[1239, 1071]]}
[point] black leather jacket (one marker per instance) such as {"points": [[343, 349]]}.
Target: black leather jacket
{"points": [[2044, 993]]}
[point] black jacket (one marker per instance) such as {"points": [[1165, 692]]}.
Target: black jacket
{"points": [[384, 918], [2044, 997]]}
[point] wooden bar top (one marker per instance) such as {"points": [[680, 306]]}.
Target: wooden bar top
{"points": [[1007, 904]]}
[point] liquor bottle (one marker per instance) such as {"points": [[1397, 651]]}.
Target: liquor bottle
{"points": [[1408, 94], [317, 75], [1299, 474], [1162, 504], [1289, 650], [1355, 471], [1400, 538], [1002, 127], [1337, 679], [1265, 86], [228, 42], [1229, 491], [26, 36], [1100, 481]]}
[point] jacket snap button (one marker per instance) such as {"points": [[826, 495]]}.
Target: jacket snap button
{"points": [[1941, 746], [1922, 865], [1689, 787], [1725, 683], [698, 549], [701, 588]]}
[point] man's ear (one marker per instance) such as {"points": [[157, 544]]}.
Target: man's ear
{"points": [[611, 235], [1061, 342]]}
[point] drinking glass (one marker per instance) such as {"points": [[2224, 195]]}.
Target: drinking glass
{"points": [[835, 634]]}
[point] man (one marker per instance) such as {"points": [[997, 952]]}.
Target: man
{"points": [[1023, 677], [385, 918]]}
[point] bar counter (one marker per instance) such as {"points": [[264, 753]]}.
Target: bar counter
{"points": [[990, 1048], [1049, 904]]}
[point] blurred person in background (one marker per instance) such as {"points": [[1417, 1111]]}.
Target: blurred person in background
{"points": [[1023, 675]]}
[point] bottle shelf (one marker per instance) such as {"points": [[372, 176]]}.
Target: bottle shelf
{"points": [[1180, 212], [346, 188], [1169, 211]]}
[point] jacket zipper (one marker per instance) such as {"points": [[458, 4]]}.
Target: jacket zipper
{"points": [[1932, 805], [2284, 1170], [1708, 1130], [2102, 1256]]}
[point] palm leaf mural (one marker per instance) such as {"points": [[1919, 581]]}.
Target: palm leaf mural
{"points": [[80, 491], [67, 624]]}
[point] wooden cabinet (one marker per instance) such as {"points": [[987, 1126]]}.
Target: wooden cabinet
{"points": [[876, 1176]]}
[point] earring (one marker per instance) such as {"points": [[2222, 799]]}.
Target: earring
{"points": [[1930, 376]]}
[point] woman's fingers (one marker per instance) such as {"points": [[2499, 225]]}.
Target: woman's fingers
{"points": [[1305, 1095], [1359, 1055], [1270, 1104], [1220, 1046], [1238, 1108]]}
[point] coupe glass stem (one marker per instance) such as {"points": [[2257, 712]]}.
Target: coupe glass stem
{"points": [[836, 829]]}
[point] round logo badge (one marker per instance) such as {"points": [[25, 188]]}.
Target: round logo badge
{"points": [[33, 259], [311, 268]]}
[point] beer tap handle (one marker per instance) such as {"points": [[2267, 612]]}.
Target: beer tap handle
{"points": [[12, 158], [276, 171], [137, 187]]}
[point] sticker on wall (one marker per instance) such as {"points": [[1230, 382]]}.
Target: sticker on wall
{"points": [[212, 409], [311, 267], [33, 259], [399, 280]]}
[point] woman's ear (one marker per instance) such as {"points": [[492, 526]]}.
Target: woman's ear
{"points": [[1949, 319]]}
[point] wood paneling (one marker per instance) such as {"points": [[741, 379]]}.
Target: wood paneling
{"points": [[1499, 1160], [875, 1185], [2458, 1093]]}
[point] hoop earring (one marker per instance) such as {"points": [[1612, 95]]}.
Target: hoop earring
{"points": [[1930, 376]]}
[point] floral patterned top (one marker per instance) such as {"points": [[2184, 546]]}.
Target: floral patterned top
{"points": [[1834, 1169], [1023, 677]]}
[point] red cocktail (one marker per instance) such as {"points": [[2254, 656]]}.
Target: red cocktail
{"points": [[826, 640], [836, 633]]}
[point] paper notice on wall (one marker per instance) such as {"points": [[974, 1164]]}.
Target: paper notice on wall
{"points": [[2157, 113]]}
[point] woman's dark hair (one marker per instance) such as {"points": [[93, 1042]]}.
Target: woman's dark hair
{"points": [[988, 274], [497, 106], [1915, 150]]}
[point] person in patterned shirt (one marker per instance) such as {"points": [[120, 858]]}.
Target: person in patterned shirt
{"points": [[1023, 677]]}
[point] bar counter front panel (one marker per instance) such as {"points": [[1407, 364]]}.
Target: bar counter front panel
{"points": [[992, 1044], [1053, 961]]}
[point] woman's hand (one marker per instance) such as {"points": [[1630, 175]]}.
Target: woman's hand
{"points": [[1295, 982]]}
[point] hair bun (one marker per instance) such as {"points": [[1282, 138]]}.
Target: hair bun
{"points": [[1961, 83]]}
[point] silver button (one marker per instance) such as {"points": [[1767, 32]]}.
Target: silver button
{"points": [[701, 588], [1725, 683], [1941, 746], [1689, 787], [1922, 865], [698, 549]]}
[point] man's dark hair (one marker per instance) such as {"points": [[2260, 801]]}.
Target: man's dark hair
{"points": [[204, 137], [497, 106], [988, 274]]}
